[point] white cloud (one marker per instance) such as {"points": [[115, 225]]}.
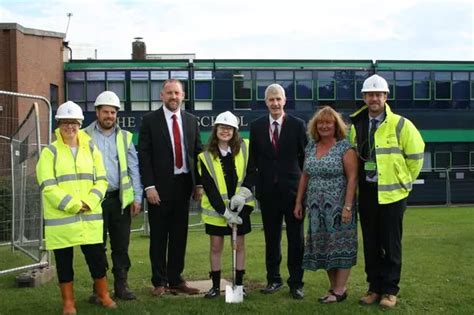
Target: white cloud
{"points": [[258, 28]]}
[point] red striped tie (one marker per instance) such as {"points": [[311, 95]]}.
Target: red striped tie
{"points": [[275, 136], [178, 153]]}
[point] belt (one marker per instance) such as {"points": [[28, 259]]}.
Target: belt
{"points": [[112, 194]]}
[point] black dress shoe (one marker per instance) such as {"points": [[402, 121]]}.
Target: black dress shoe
{"points": [[272, 288], [212, 293], [297, 293]]}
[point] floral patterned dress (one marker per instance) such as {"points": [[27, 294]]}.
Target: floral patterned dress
{"points": [[329, 243]]}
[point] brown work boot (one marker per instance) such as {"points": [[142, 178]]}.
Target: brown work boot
{"points": [[67, 293], [184, 288], [158, 291], [388, 300], [102, 290], [369, 298]]}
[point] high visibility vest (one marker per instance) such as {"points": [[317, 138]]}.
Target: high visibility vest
{"points": [[67, 181], [123, 142], [214, 167], [399, 150]]}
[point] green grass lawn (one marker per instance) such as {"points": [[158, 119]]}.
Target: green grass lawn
{"points": [[437, 275]]}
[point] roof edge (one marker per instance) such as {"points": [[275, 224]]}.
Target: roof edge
{"points": [[30, 31]]}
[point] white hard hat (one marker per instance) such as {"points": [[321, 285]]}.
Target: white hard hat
{"points": [[69, 110], [107, 98], [227, 118], [375, 83]]}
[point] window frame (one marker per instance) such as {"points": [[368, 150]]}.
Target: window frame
{"points": [[296, 89], [436, 168], [334, 89], [414, 90]]}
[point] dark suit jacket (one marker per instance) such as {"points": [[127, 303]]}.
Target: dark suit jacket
{"points": [[156, 151], [286, 166]]}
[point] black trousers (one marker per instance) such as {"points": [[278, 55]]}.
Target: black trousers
{"points": [[169, 233], [382, 233], [117, 222], [276, 207], [95, 258]]}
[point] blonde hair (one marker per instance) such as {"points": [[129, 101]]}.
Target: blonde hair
{"points": [[326, 113]]}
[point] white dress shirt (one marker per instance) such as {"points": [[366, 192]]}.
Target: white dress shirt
{"points": [[272, 127], [169, 121]]}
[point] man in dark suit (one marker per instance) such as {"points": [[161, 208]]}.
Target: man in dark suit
{"points": [[277, 144], [168, 145]]}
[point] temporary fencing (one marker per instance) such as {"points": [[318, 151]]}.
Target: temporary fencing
{"points": [[23, 119]]}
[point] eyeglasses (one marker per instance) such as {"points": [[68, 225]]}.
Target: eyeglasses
{"points": [[69, 124], [224, 127]]}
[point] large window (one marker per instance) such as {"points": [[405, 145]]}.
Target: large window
{"points": [[76, 88], [95, 86], [139, 90], [285, 78], [203, 88], [326, 89], [303, 85], [242, 81], [460, 159], [156, 81], [442, 160], [421, 85], [84, 87], [404, 85], [116, 84], [442, 85]]}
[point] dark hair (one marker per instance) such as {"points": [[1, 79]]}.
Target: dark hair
{"points": [[213, 142]]}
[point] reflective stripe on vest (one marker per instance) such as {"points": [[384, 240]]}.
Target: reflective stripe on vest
{"points": [[73, 219], [48, 182], [62, 205], [126, 189], [209, 215]]}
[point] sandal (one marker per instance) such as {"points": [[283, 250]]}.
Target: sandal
{"points": [[323, 298], [338, 298]]}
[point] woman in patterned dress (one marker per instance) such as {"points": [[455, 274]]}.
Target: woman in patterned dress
{"points": [[329, 183]]}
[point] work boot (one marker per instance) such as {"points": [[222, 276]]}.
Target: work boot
{"points": [[215, 291], [121, 290], [102, 290], [67, 293]]}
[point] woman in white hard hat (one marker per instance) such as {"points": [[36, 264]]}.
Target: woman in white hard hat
{"points": [[227, 197], [72, 179]]}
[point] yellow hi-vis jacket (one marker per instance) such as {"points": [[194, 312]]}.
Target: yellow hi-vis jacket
{"points": [[123, 142], [399, 150], [65, 183], [214, 167]]}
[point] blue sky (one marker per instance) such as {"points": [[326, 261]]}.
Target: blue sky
{"points": [[254, 29]]}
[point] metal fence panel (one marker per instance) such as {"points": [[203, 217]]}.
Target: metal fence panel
{"points": [[27, 228], [23, 119]]}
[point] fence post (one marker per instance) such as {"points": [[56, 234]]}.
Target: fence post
{"points": [[448, 188]]}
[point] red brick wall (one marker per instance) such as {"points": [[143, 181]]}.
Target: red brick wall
{"points": [[29, 64]]}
